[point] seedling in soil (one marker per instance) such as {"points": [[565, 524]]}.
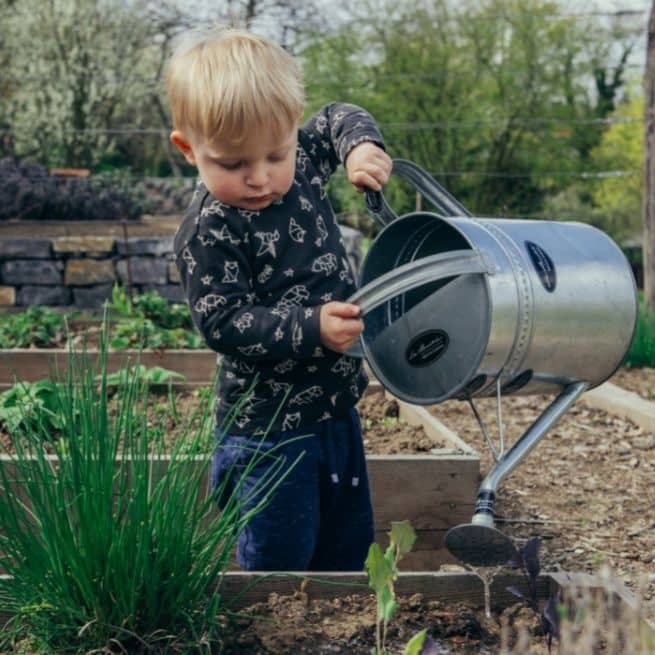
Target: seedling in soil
{"points": [[382, 570], [152, 376], [527, 560]]}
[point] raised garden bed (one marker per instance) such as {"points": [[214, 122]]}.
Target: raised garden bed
{"points": [[31, 364], [335, 613], [417, 472]]}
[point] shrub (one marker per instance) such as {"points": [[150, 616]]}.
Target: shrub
{"points": [[642, 350], [28, 191], [107, 552]]}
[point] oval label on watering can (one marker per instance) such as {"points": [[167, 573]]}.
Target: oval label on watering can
{"points": [[543, 264], [426, 347]]}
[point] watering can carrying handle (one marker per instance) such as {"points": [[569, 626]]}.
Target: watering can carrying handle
{"points": [[417, 273], [423, 182]]}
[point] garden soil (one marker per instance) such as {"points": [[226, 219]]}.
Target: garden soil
{"points": [[587, 491]]}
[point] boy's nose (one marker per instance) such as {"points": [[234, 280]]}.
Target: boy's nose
{"points": [[257, 175]]}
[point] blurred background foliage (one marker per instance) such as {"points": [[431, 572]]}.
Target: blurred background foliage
{"points": [[518, 107]]}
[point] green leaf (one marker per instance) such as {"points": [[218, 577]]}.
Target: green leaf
{"points": [[403, 536], [380, 572], [387, 604], [415, 644]]}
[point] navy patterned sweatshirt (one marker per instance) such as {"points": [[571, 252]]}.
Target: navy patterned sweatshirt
{"points": [[255, 281]]}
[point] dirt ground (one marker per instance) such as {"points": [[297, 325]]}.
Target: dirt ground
{"points": [[587, 490], [346, 626]]}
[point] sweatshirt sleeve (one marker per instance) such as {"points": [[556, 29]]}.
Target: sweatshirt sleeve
{"points": [[334, 131], [212, 258]]}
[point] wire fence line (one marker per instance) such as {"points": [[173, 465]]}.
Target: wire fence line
{"points": [[405, 126], [591, 175]]}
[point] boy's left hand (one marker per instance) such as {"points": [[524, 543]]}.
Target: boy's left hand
{"points": [[368, 166]]}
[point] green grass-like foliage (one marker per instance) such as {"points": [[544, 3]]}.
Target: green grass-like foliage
{"points": [[108, 551], [642, 350]]}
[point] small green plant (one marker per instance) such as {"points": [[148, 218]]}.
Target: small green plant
{"points": [[150, 321], [152, 376], [150, 305], [27, 405], [526, 559], [36, 326], [382, 570]]}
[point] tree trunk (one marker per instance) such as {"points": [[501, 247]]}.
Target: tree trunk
{"points": [[648, 201]]}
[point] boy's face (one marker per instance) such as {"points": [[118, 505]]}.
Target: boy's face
{"points": [[252, 175]]}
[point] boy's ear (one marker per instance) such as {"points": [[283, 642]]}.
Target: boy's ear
{"points": [[181, 143]]}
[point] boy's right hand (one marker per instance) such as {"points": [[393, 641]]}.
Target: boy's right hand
{"points": [[340, 325]]}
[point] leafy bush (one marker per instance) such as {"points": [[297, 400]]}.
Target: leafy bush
{"points": [[152, 306], [28, 191], [29, 405], [150, 321], [145, 321], [35, 327], [107, 552], [642, 350]]}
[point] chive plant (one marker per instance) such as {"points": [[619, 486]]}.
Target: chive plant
{"points": [[106, 548]]}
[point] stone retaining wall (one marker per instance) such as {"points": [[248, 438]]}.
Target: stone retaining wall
{"points": [[64, 265], [80, 271]]}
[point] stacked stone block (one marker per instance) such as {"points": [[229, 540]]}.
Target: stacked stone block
{"points": [[79, 271]]}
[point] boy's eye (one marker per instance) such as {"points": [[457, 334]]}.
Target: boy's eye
{"points": [[230, 166]]}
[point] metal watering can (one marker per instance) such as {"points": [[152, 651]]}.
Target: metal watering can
{"points": [[457, 306]]}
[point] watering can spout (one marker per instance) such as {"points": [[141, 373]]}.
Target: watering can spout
{"points": [[479, 543]]}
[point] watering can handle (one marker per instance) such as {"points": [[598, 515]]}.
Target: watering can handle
{"points": [[417, 273], [423, 182]]}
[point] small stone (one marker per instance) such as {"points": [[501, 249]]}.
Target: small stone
{"points": [[644, 443], [7, 296], [623, 448]]}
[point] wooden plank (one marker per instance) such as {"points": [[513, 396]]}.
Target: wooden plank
{"points": [[156, 226], [425, 489], [29, 365], [434, 493], [432, 426], [240, 589], [621, 402]]}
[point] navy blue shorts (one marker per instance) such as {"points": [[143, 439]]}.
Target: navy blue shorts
{"points": [[320, 517]]}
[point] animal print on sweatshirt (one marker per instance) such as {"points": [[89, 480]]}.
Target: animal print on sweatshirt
{"points": [[255, 281]]}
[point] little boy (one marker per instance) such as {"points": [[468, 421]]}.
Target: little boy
{"points": [[265, 273]]}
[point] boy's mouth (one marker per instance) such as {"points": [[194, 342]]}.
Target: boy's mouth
{"points": [[258, 200]]}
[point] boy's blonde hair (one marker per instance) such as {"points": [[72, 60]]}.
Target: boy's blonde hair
{"points": [[225, 84]]}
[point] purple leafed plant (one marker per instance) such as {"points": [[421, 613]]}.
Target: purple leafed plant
{"points": [[527, 560]]}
